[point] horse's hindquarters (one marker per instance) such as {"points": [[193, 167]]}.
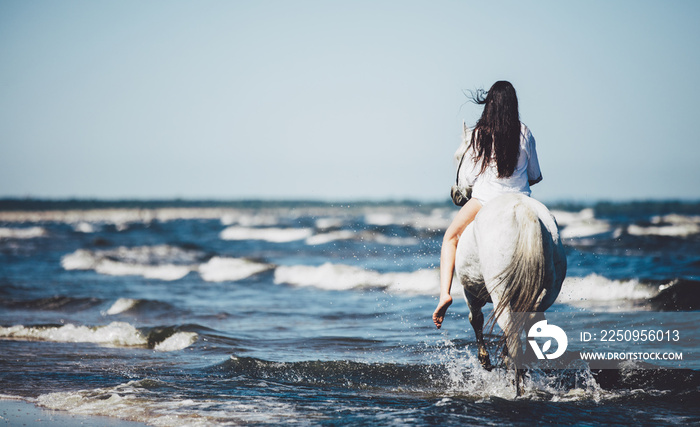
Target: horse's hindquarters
{"points": [[512, 255]]}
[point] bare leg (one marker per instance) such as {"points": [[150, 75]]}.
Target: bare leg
{"points": [[447, 256]]}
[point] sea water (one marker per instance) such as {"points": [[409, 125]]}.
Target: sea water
{"points": [[196, 313]]}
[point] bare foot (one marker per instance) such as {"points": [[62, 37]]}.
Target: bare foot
{"points": [[440, 311]]}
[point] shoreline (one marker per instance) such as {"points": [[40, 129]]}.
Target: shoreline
{"points": [[17, 412]]}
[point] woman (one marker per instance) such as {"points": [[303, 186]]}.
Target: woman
{"points": [[500, 157]]}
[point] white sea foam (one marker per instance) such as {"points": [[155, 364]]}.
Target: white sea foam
{"points": [[116, 334], [327, 276], [329, 222], [250, 220], [21, 233], [676, 219], [10, 397], [671, 230], [381, 218], [589, 290], [84, 227], [424, 282], [669, 225], [275, 235], [333, 236], [364, 236], [580, 224], [345, 277], [81, 259], [565, 217], [598, 289], [219, 269], [133, 401], [154, 254], [116, 216], [177, 341], [229, 219], [161, 262], [465, 376], [121, 305], [585, 229], [395, 240], [438, 219], [166, 272]]}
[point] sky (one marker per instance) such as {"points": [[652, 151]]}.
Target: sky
{"points": [[341, 100]]}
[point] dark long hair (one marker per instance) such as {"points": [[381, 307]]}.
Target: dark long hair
{"points": [[497, 133]]}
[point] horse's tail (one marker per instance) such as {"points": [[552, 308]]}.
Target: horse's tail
{"points": [[522, 280]]}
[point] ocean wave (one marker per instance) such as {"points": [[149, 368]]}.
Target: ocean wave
{"points": [[138, 306], [85, 227], [152, 262], [591, 290], [395, 240], [455, 381], [138, 255], [345, 277], [456, 372], [362, 236], [678, 295], [116, 334], [381, 219], [132, 262], [22, 233], [219, 269], [341, 373], [115, 216], [275, 235], [437, 219], [251, 220], [464, 376], [565, 218], [55, 303], [598, 289], [285, 235], [176, 341], [332, 236], [166, 272], [664, 230], [676, 219], [135, 401], [71, 305], [672, 225], [79, 260], [580, 224], [121, 305], [330, 222]]}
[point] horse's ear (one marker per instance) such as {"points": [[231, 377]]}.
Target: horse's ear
{"points": [[465, 132]]}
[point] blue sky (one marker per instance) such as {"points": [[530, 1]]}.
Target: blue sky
{"points": [[340, 100]]}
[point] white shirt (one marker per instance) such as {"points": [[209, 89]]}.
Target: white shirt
{"points": [[488, 185]]}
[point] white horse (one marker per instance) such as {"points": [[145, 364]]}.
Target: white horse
{"points": [[510, 255]]}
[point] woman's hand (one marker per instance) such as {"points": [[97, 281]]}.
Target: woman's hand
{"points": [[441, 309]]}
